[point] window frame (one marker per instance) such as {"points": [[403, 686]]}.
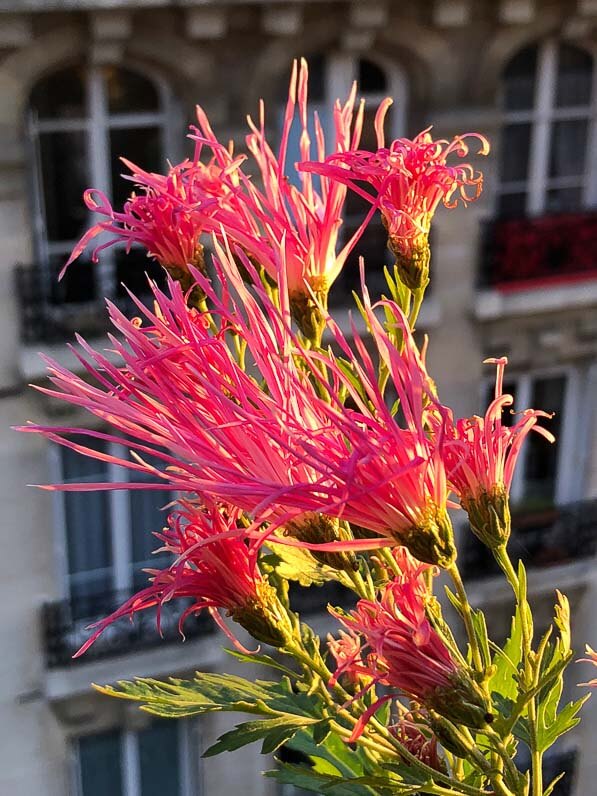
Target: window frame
{"points": [[542, 116], [189, 757], [120, 531], [573, 444], [96, 124]]}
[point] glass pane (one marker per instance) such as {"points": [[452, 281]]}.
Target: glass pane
{"points": [[371, 79], [86, 514], [76, 287], [515, 152], [519, 81], [542, 456], [132, 271], [146, 519], [129, 92], [568, 147], [564, 200], [159, 759], [100, 764], [512, 205], [143, 146], [368, 138], [575, 77], [64, 177], [62, 95]]}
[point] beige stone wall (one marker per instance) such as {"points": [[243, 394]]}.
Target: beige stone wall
{"points": [[225, 56]]}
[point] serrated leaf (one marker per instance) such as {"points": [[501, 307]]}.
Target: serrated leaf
{"points": [[321, 731], [264, 660], [294, 563], [333, 751], [315, 782], [209, 692], [563, 722], [277, 730], [507, 661]]}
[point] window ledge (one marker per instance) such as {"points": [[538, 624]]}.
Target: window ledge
{"points": [[33, 368], [170, 659], [570, 576], [495, 303]]}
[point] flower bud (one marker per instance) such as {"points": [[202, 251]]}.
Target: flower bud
{"points": [[489, 516], [432, 541], [263, 618], [320, 529], [412, 264]]}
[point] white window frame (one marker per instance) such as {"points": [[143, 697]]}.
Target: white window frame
{"points": [[573, 438], [121, 529], [96, 124], [188, 760], [542, 117]]}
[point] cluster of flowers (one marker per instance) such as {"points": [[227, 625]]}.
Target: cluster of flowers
{"points": [[268, 435]]}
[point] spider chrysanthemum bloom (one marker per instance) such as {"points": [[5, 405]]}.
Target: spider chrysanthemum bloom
{"points": [[303, 220], [591, 658], [166, 215], [480, 455], [407, 652], [409, 178], [211, 573]]}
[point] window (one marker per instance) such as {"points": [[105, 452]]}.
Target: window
{"points": [[547, 160], [80, 121], [331, 77], [108, 535], [155, 761], [544, 475]]}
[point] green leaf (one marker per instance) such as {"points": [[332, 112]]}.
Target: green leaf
{"points": [[263, 660], [504, 681], [321, 731], [480, 628], [275, 731], [332, 751], [294, 563], [314, 781], [209, 692], [549, 790]]}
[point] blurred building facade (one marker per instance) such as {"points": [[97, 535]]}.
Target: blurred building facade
{"points": [[83, 81]]}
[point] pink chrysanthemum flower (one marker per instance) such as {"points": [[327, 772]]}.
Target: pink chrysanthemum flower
{"points": [[216, 574], [409, 179], [282, 453], [395, 480], [407, 652], [480, 454], [302, 221], [592, 658], [418, 741], [167, 217], [346, 652]]}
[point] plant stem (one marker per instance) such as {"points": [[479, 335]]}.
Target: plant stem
{"points": [[467, 617]]}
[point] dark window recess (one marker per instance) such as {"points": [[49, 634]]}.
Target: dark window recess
{"points": [[519, 80], [540, 538], [100, 764], [61, 95]]}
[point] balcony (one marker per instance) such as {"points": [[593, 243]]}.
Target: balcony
{"points": [[523, 252], [541, 539], [65, 623], [51, 311], [65, 628]]}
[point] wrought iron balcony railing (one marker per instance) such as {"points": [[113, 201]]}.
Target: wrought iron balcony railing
{"points": [[52, 311], [540, 539], [544, 250], [66, 623]]}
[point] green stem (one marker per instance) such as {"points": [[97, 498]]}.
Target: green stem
{"points": [[467, 617]]}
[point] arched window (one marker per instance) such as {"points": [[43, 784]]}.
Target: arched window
{"points": [[80, 121], [330, 77], [547, 155]]}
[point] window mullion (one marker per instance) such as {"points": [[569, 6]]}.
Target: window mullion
{"points": [[99, 160], [541, 136], [131, 769], [590, 192], [120, 525], [522, 398]]}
